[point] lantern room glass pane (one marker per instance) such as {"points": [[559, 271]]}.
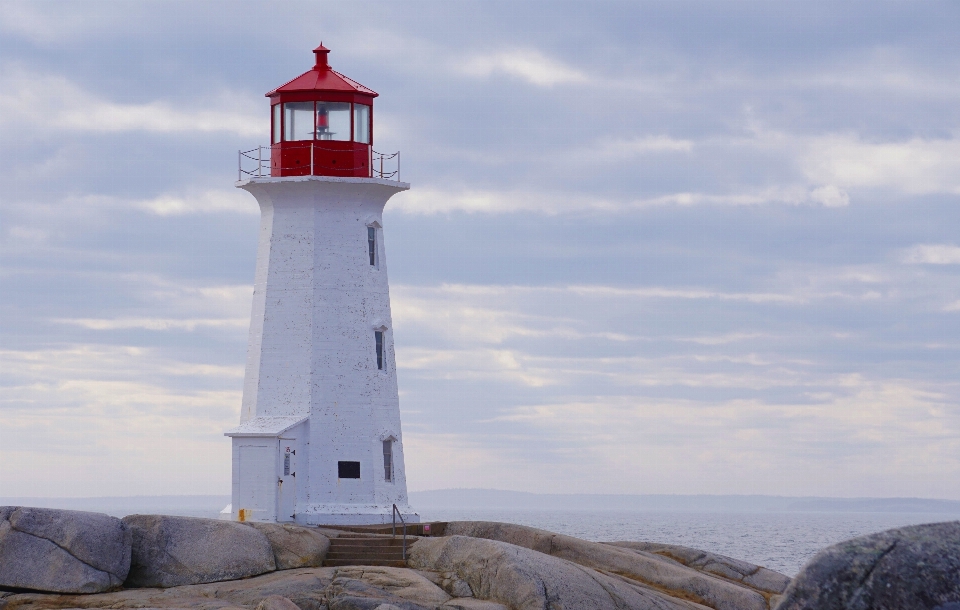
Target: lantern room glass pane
{"points": [[333, 121], [361, 123], [298, 121], [277, 124]]}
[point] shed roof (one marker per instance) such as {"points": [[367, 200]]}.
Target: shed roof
{"points": [[267, 425]]}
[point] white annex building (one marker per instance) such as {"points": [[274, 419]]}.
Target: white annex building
{"points": [[319, 439]]}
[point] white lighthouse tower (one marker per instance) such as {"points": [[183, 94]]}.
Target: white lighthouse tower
{"points": [[319, 439]]}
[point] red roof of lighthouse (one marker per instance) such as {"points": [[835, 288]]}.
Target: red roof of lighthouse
{"points": [[323, 78]]}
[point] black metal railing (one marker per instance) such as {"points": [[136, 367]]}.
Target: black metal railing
{"points": [[256, 163], [396, 513]]}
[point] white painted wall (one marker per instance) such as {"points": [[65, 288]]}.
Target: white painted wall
{"points": [[317, 302]]}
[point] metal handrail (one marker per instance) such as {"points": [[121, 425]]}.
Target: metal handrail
{"points": [[396, 513], [386, 157], [259, 161], [254, 173]]}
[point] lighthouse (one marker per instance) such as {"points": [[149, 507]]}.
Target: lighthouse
{"points": [[319, 439]]}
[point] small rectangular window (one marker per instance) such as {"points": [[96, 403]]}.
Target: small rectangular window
{"points": [[379, 338], [348, 470], [372, 244], [361, 123], [388, 460], [277, 123]]}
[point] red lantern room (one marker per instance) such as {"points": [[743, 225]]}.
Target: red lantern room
{"points": [[321, 124]]}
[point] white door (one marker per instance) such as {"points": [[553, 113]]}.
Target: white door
{"points": [[256, 499], [287, 479]]}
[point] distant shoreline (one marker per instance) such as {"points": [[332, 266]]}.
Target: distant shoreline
{"points": [[515, 500]]}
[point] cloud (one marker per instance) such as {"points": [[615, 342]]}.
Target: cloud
{"points": [[531, 368], [841, 442], [527, 64], [642, 145], [190, 324], [845, 436], [493, 314], [114, 420], [830, 196], [428, 200], [157, 303], [608, 339], [473, 292], [673, 293], [98, 363], [450, 460], [723, 339], [210, 201], [31, 235], [23, 20], [833, 168], [916, 166], [206, 202], [53, 104], [502, 365], [470, 320], [931, 254]]}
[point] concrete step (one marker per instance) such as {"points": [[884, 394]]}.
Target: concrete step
{"points": [[358, 547], [434, 528], [336, 554], [390, 563], [371, 541], [362, 559], [366, 550]]}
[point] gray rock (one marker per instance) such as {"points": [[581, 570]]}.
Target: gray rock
{"points": [[470, 603], [524, 579], [347, 588], [915, 568], [294, 546], [62, 551], [455, 586], [277, 602], [455, 573], [449, 582], [306, 588], [657, 572], [369, 587], [173, 551], [754, 576]]}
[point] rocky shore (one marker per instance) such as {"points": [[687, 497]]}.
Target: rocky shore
{"points": [[67, 559]]}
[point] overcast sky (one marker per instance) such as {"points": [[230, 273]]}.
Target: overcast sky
{"points": [[674, 247]]}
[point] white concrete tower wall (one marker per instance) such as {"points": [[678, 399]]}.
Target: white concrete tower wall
{"points": [[318, 304]]}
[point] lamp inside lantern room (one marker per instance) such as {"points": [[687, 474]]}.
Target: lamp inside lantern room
{"points": [[323, 123]]}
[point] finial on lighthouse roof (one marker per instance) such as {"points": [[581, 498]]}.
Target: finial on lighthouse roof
{"points": [[321, 53]]}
